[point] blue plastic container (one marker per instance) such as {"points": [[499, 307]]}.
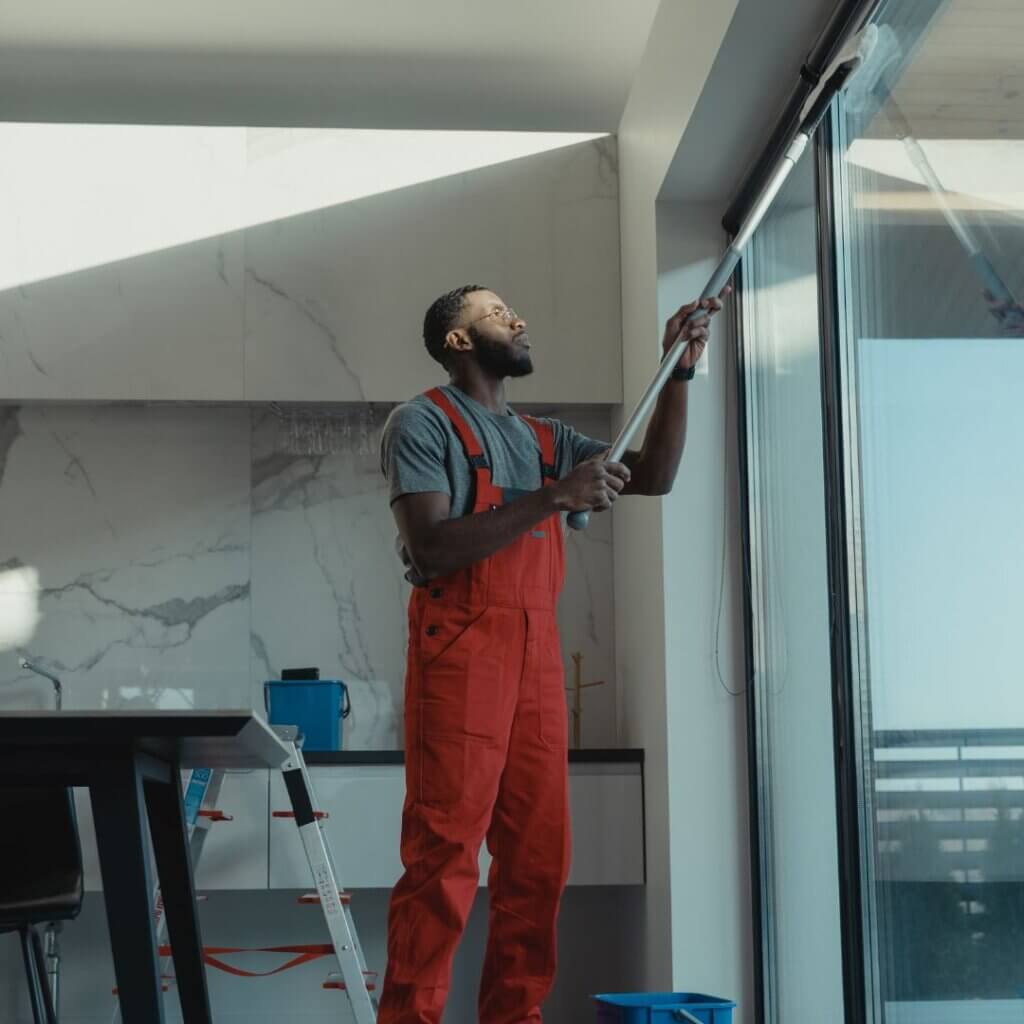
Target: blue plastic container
{"points": [[663, 1008], [316, 706]]}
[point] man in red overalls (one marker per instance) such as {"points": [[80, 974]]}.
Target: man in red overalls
{"points": [[477, 493]]}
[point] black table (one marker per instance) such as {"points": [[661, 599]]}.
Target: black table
{"points": [[130, 763]]}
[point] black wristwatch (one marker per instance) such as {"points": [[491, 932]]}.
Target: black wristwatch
{"points": [[681, 373]]}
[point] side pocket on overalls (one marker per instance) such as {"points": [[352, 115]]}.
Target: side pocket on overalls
{"points": [[455, 709], [551, 697]]}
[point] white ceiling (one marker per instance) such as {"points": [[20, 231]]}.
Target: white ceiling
{"points": [[456, 64]]}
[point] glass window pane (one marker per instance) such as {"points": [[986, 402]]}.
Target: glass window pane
{"points": [[931, 195], [789, 589]]}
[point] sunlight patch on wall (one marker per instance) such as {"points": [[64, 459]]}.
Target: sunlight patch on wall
{"points": [[80, 196]]}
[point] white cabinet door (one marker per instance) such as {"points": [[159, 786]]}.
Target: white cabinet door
{"points": [[364, 804], [234, 852], [364, 807], [607, 806], [363, 827]]}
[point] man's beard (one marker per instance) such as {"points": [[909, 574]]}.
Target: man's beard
{"points": [[499, 360]]}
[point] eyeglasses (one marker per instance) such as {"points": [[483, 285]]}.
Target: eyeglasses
{"points": [[505, 313]]}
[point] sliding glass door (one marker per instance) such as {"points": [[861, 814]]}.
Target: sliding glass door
{"points": [[882, 358], [929, 195], [791, 678]]}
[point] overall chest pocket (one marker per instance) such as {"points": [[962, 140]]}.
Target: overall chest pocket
{"points": [[450, 632]]}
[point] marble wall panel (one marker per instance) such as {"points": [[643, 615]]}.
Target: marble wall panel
{"points": [[334, 299], [212, 279], [328, 588], [180, 556], [160, 326], [136, 521]]}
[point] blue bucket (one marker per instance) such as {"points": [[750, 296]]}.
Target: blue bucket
{"points": [[663, 1008], [316, 706]]}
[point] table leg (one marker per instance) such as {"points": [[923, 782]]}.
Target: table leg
{"points": [[170, 845], [117, 807]]}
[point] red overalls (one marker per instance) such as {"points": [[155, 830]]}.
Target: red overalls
{"points": [[485, 757]]}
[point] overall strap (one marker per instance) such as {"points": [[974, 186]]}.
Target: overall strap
{"points": [[546, 438], [475, 454]]}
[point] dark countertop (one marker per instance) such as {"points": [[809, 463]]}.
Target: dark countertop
{"points": [[596, 756]]}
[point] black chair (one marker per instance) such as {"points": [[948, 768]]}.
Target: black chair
{"points": [[40, 876]]}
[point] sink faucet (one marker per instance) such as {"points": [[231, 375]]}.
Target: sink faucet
{"points": [[58, 690]]}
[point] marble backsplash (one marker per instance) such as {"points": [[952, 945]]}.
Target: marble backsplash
{"points": [[186, 553]]}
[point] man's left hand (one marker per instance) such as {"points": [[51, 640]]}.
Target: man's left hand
{"points": [[695, 331]]}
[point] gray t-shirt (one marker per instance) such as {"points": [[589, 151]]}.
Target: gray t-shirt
{"points": [[420, 450]]}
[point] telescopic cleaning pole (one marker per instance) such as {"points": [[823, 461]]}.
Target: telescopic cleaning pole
{"points": [[835, 78]]}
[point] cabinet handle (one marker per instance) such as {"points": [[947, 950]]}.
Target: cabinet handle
{"points": [[215, 815], [314, 897]]}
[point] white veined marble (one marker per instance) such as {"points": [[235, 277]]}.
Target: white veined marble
{"points": [[137, 523], [316, 292], [179, 556]]}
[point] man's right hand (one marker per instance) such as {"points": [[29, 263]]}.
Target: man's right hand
{"points": [[591, 487]]}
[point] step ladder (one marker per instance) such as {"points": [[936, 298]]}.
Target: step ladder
{"points": [[199, 799], [333, 900]]}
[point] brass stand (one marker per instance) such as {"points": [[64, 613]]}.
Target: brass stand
{"points": [[576, 711]]}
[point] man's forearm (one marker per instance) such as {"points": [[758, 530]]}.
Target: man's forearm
{"points": [[655, 466], [455, 543]]}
